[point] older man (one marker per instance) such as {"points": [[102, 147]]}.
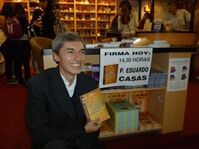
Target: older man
{"points": [[179, 18]]}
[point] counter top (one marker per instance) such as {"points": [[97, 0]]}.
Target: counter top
{"points": [[179, 48], [184, 32]]}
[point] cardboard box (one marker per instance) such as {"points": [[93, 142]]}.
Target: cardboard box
{"points": [[124, 116]]}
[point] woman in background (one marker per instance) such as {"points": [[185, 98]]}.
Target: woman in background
{"points": [[127, 20], [21, 46], [48, 20]]}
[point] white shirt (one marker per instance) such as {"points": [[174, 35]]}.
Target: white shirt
{"points": [[129, 28], [180, 21], [70, 88]]}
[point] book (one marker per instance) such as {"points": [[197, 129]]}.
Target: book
{"points": [[139, 99], [94, 105], [110, 74], [147, 123]]}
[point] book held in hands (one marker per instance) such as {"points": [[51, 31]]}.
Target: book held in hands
{"points": [[94, 105]]}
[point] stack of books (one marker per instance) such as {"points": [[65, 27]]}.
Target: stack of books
{"points": [[157, 79], [139, 99], [147, 123], [124, 116]]}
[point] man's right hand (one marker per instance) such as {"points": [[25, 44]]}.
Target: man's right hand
{"points": [[92, 126]]}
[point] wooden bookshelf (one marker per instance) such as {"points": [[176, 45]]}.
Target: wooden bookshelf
{"points": [[90, 18]]}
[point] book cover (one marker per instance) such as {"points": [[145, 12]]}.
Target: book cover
{"points": [[94, 105], [139, 99], [110, 74]]}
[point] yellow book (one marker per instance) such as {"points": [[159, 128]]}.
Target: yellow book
{"points": [[94, 105]]}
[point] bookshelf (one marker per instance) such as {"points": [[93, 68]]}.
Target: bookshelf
{"points": [[89, 18]]}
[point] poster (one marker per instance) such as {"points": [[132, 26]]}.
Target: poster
{"points": [[124, 66], [178, 74]]}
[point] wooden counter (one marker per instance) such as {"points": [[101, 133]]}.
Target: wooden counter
{"points": [[174, 38], [167, 108]]}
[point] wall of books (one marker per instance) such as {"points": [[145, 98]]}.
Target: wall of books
{"points": [[89, 18]]}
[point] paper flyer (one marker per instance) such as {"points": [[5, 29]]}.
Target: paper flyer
{"points": [[178, 74], [124, 66]]}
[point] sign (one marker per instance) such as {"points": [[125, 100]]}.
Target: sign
{"points": [[178, 74], [124, 66]]}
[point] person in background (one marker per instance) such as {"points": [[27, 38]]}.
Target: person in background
{"points": [[6, 49], [22, 46], [127, 20], [48, 19], [177, 19], [59, 26], [37, 17], [36, 21], [54, 113]]}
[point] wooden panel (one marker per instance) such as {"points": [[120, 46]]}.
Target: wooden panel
{"points": [[175, 102], [1, 3], [93, 59], [160, 61], [156, 104], [174, 111], [172, 38]]}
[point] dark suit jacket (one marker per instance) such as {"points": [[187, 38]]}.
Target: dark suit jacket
{"points": [[50, 114]]}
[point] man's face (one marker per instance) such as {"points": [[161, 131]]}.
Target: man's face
{"points": [[70, 58], [172, 10]]}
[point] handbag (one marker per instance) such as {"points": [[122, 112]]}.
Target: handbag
{"points": [[31, 31]]}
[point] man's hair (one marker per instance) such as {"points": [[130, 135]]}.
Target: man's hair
{"points": [[60, 39]]}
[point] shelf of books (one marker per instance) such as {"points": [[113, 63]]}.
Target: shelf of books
{"points": [[146, 123], [89, 18], [141, 118]]}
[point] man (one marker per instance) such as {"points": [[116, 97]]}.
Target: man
{"points": [[179, 18], [55, 116]]}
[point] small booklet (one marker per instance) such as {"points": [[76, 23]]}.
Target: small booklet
{"points": [[94, 105]]}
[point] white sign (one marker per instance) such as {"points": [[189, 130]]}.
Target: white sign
{"points": [[178, 74], [124, 66]]}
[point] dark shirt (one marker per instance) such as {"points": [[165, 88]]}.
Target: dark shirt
{"points": [[51, 113], [48, 21]]}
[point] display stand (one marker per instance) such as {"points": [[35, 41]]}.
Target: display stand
{"points": [[165, 108]]}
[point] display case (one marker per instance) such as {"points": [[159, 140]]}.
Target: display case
{"points": [[163, 106], [163, 109]]}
